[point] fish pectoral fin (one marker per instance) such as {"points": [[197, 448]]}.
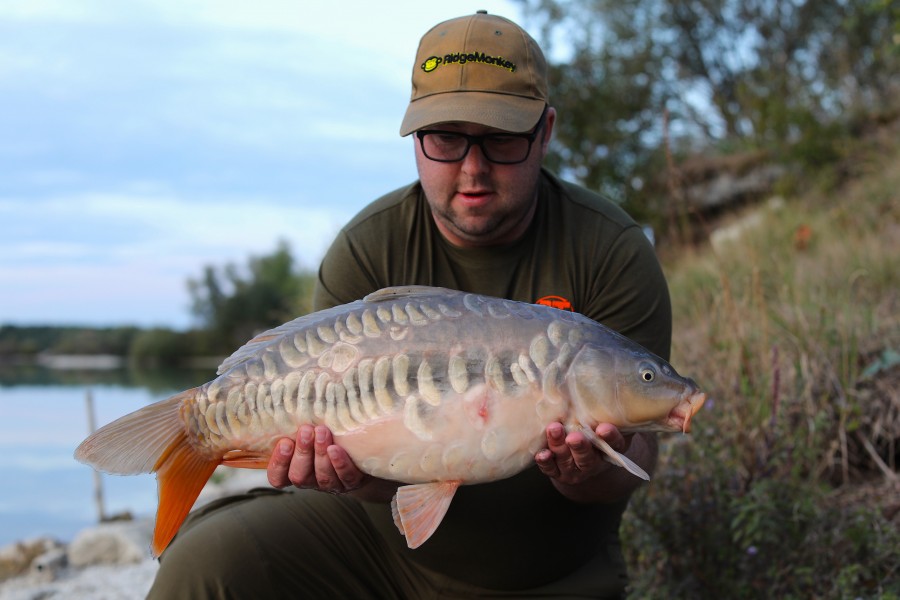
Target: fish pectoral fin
{"points": [[245, 459], [616, 458], [418, 509]]}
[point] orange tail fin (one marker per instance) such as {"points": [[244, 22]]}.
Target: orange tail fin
{"points": [[153, 439], [181, 474]]}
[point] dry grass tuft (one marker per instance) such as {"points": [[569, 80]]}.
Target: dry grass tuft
{"points": [[793, 328]]}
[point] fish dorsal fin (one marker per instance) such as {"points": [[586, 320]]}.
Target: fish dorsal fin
{"points": [[406, 291], [254, 346], [418, 509], [616, 458]]}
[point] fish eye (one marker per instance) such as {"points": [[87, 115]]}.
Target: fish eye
{"points": [[647, 374]]}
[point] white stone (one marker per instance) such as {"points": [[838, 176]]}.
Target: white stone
{"points": [[116, 543]]}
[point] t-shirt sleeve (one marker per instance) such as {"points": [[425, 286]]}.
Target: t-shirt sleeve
{"points": [[342, 276], [632, 296]]}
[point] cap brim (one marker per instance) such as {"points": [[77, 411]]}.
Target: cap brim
{"points": [[501, 111]]}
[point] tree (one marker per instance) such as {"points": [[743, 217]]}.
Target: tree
{"points": [[604, 88], [739, 74], [235, 303]]}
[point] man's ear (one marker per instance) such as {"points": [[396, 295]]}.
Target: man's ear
{"points": [[547, 134]]}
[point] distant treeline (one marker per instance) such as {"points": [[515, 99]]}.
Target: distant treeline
{"points": [[157, 346], [156, 380], [28, 341], [231, 303]]}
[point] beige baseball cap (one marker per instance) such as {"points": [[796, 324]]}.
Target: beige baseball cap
{"points": [[478, 69]]}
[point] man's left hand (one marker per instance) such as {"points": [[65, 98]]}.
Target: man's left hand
{"points": [[571, 459]]}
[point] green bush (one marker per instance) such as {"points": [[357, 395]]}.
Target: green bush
{"points": [[158, 348]]}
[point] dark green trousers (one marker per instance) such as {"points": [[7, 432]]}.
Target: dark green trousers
{"points": [[269, 544]]}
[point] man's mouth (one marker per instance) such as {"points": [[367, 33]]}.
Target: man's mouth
{"points": [[473, 198]]}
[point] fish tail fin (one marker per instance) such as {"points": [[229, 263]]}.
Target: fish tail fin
{"points": [[181, 475], [153, 439]]}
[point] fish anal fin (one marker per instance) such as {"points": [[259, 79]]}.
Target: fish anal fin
{"points": [[180, 476], [418, 509], [245, 459], [616, 458]]}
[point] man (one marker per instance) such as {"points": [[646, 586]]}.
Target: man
{"points": [[483, 217]]}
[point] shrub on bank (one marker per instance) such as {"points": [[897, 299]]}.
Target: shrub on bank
{"points": [[788, 485]]}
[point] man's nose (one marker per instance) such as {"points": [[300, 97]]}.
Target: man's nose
{"points": [[475, 161]]}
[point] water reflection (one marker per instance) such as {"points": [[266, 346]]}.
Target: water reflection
{"points": [[44, 490], [153, 380]]}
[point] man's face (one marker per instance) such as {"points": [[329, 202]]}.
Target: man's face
{"points": [[479, 203]]}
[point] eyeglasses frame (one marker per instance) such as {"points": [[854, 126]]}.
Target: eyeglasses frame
{"points": [[478, 140]]}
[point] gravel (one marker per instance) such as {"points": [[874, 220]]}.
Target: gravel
{"points": [[102, 582]]}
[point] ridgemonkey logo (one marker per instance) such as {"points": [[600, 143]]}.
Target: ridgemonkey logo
{"points": [[433, 62]]}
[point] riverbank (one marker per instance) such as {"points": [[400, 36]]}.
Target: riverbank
{"points": [[101, 582], [106, 561]]}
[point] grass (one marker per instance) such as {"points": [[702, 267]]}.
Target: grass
{"points": [[788, 486]]}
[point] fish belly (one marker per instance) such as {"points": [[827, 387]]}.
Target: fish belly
{"points": [[472, 438]]}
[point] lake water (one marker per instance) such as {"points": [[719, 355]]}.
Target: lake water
{"points": [[43, 489]]}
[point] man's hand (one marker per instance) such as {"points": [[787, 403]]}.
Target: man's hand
{"points": [[312, 460], [572, 459], [581, 473]]}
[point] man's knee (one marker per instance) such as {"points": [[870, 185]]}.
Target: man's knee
{"points": [[209, 557]]}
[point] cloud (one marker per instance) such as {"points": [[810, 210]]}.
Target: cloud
{"points": [[143, 140], [130, 258]]}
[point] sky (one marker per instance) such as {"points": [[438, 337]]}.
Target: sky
{"points": [[141, 141]]}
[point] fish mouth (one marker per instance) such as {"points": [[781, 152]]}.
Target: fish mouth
{"points": [[695, 403], [685, 411]]}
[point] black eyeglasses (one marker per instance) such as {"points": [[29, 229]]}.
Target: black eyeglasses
{"points": [[500, 148]]}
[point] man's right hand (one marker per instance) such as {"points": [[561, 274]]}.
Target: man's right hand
{"points": [[312, 460]]}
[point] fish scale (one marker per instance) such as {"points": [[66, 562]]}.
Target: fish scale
{"points": [[429, 387], [390, 386]]}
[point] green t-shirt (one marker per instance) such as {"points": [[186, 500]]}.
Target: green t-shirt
{"points": [[581, 252]]}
